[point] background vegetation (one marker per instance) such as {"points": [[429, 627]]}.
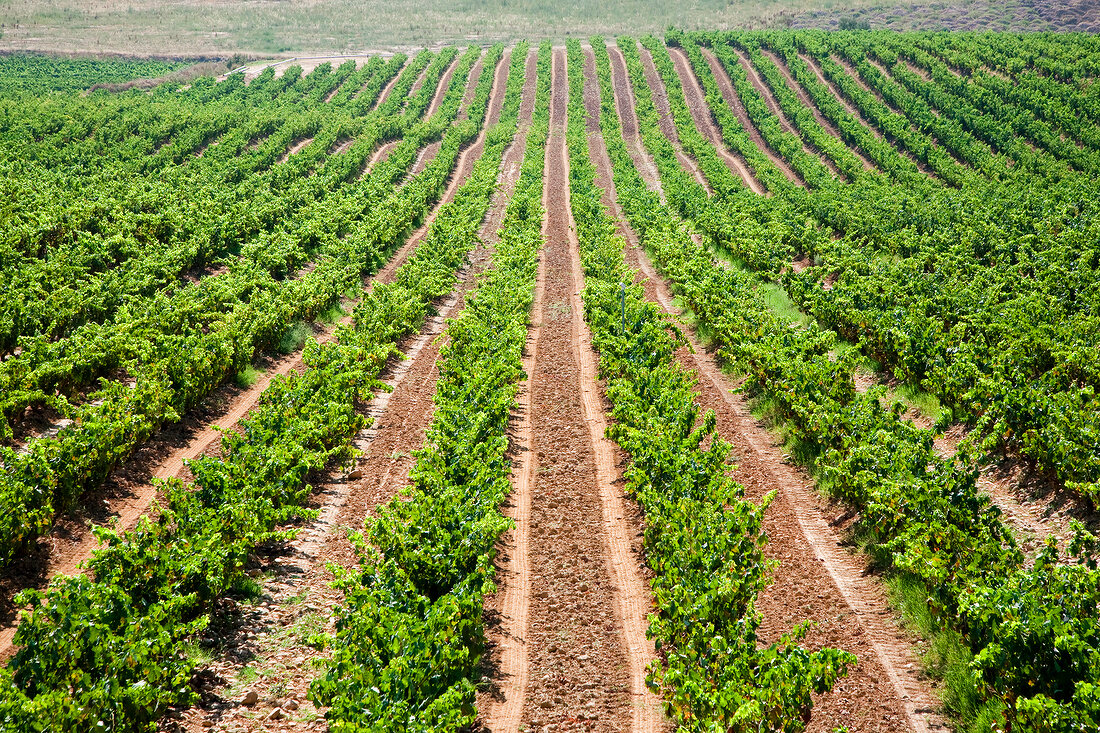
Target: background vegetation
{"points": [[290, 27]]}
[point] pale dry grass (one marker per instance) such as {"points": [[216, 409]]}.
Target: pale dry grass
{"points": [[306, 27]]}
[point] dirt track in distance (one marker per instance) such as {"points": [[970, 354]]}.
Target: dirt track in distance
{"points": [[725, 86], [804, 97], [665, 120]]}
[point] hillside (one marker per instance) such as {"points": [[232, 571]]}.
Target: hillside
{"points": [[720, 381]]}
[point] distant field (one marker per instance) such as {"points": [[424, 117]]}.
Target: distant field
{"points": [[190, 27]]}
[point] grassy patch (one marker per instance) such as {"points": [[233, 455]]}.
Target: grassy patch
{"points": [[926, 402], [294, 338], [247, 589], [197, 653], [247, 377], [946, 657], [332, 314], [780, 304]]}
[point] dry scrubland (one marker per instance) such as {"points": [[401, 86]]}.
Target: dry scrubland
{"points": [[288, 27]]}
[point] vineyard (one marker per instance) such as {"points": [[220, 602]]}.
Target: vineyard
{"points": [[724, 381]]}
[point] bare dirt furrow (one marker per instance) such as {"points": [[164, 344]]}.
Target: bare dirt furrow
{"points": [[773, 106], [379, 155], [420, 79], [385, 93], [294, 149], [704, 122], [585, 660], [268, 637], [463, 168], [332, 93], [427, 153], [471, 83], [271, 637], [666, 122], [501, 705], [725, 86], [445, 83], [401, 460], [851, 70], [804, 97], [624, 106], [817, 579]]}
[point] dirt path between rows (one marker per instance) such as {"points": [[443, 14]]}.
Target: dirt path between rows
{"points": [[700, 112], [1033, 506], [814, 67], [385, 93], [889, 75], [808, 102], [768, 96], [463, 168], [428, 153], [817, 579], [666, 122], [421, 78], [507, 610], [386, 149], [624, 106], [130, 490], [585, 645], [270, 639], [332, 92], [725, 86], [855, 75], [294, 148]]}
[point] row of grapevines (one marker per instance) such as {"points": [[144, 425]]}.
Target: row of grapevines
{"points": [[759, 232], [126, 226], [105, 652], [1031, 628], [703, 538], [174, 369], [947, 132], [802, 118], [88, 248], [1032, 145], [885, 156], [1010, 116], [895, 127], [40, 74], [1057, 103], [409, 634], [53, 370], [973, 295]]}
